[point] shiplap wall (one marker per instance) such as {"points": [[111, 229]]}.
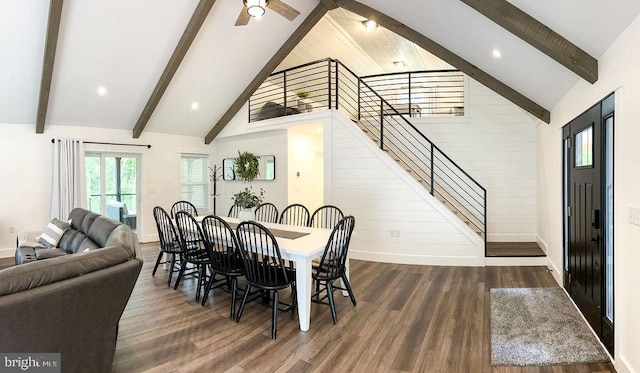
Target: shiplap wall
{"points": [[396, 219], [495, 142]]}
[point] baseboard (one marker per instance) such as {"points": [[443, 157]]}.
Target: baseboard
{"points": [[533, 261], [7, 253], [450, 261], [521, 237], [555, 272], [543, 245], [622, 365], [149, 238]]}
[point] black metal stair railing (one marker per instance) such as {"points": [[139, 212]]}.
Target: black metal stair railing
{"points": [[328, 84]]}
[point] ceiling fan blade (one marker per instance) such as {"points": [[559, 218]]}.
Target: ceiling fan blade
{"points": [[243, 17], [283, 9]]}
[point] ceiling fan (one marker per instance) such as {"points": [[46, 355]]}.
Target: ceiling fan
{"points": [[256, 8]]}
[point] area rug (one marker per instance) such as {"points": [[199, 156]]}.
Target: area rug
{"points": [[539, 326]]}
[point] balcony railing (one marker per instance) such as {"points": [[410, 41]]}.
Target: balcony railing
{"points": [[328, 84]]}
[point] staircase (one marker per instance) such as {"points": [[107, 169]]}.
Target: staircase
{"points": [[331, 85]]}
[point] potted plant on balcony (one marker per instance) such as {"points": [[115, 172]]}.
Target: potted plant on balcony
{"points": [[246, 169], [302, 103]]}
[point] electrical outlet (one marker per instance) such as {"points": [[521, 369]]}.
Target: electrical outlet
{"points": [[12, 229], [634, 215]]}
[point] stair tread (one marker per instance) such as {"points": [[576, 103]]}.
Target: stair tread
{"points": [[514, 249]]}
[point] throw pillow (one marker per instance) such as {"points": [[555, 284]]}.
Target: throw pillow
{"points": [[52, 233]]}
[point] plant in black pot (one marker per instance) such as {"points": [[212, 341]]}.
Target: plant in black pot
{"points": [[247, 169]]}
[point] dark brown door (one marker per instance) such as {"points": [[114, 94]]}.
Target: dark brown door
{"points": [[584, 231]]}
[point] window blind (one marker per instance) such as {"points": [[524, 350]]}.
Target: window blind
{"points": [[194, 180]]}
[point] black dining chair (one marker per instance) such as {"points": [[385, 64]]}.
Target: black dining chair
{"points": [[295, 214], [326, 216], [194, 251], [332, 266], [183, 206], [169, 242], [225, 257], [233, 211], [267, 213], [265, 269]]}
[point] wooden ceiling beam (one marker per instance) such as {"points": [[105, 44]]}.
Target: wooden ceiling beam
{"points": [[318, 12], [447, 56], [330, 4], [539, 36], [51, 43], [190, 33]]}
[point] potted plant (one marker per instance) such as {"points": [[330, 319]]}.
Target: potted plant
{"points": [[246, 169], [303, 105]]}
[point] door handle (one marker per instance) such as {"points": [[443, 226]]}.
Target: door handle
{"points": [[595, 219], [596, 239]]}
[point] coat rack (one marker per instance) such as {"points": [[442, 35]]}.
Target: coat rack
{"points": [[214, 176]]}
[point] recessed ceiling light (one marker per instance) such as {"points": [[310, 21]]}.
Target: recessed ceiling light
{"points": [[102, 91], [399, 64], [496, 53], [369, 25], [195, 106]]}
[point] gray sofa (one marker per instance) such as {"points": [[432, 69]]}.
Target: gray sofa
{"points": [[87, 230], [71, 303]]}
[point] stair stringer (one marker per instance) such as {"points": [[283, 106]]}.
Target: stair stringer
{"points": [[397, 220]]}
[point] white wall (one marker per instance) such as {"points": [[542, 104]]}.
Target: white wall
{"points": [[273, 142], [271, 137], [396, 219], [495, 142], [619, 71], [306, 166], [25, 195]]}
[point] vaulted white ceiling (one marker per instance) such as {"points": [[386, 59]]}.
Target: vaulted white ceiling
{"points": [[124, 46]]}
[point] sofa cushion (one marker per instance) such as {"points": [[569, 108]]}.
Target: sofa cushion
{"points": [[52, 233], [42, 272], [101, 229], [88, 221], [76, 242], [77, 216]]}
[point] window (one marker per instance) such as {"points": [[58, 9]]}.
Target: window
{"points": [[194, 179], [112, 185], [584, 148], [608, 213]]}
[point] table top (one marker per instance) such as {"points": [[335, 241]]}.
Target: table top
{"points": [[308, 246]]}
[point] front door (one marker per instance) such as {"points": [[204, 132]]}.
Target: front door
{"points": [[586, 226]]}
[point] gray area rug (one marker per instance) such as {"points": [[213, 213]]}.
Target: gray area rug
{"points": [[539, 326]]}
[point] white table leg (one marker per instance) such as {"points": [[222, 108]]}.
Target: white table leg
{"points": [[303, 292]]}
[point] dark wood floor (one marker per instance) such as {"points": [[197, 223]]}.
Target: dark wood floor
{"points": [[408, 319], [514, 249]]}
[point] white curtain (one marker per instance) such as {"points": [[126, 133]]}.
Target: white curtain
{"points": [[69, 186]]}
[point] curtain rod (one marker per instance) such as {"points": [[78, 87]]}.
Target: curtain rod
{"points": [[109, 143]]}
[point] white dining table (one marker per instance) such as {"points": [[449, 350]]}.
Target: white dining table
{"points": [[301, 251]]}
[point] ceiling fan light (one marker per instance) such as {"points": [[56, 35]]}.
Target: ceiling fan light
{"points": [[255, 8]]}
